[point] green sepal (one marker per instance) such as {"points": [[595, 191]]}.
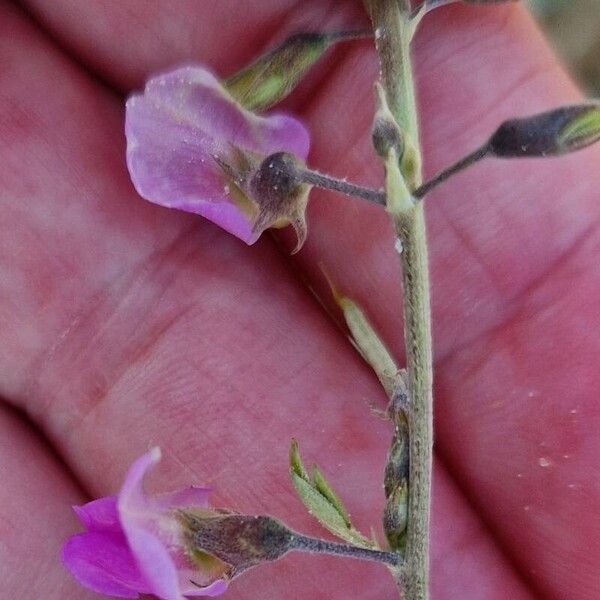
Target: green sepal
{"points": [[274, 75], [583, 130]]}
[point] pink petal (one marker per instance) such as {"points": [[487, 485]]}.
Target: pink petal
{"points": [[171, 164], [214, 589], [132, 497], [158, 552], [285, 134], [103, 562], [178, 124], [154, 562], [194, 96], [136, 514], [100, 515]]}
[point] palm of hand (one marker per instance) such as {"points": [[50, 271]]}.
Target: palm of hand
{"points": [[125, 325]]}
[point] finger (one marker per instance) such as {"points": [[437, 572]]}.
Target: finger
{"points": [[194, 342], [35, 499], [498, 236], [164, 35]]}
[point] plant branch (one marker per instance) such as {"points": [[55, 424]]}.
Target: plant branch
{"points": [[318, 546], [393, 32], [458, 166], [340, 185]]}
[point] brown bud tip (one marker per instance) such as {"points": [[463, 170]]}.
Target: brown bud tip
{"points": [[386, 133], [386, 137], [551, 133]]}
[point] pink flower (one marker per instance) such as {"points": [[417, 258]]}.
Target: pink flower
{"points": [[192, 146], [135, 544]]}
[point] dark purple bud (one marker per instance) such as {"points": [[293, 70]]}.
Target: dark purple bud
{"points": [[548, 134]]}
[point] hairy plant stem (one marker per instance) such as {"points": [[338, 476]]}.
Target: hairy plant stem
{"points": [[340, 185], [393, 33], [457, 167], [318, 546]]}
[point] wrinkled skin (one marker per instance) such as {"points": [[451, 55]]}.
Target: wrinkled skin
{"points": [[125, 325]]}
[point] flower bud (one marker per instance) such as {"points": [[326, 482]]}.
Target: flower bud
{"points": [[386, 133], [552, 133], [273, 76], [386, 136], [240, 541], [395, 483], [395, 516]]}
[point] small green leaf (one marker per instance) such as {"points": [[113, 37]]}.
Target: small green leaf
{"points": [[320, 507], [273, 76], [322, 501], [322, 485], [365, 339], [296, 464]]}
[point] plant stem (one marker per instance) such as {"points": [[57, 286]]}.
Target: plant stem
{"points": [[318, 546], [341, 186], [458, 166], [393, 32], [350, 34]]}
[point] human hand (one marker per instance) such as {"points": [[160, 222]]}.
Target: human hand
{"points": [[126, 325]]}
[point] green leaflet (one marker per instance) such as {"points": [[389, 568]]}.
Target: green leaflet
{"points": [[322, 501], [324, 488]]}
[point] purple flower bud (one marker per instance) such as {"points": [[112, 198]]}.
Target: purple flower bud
{"points": [[135, 544], [551, 133], [192, 146]]}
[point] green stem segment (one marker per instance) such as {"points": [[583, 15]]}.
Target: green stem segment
{"points": [[393, 33]]}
